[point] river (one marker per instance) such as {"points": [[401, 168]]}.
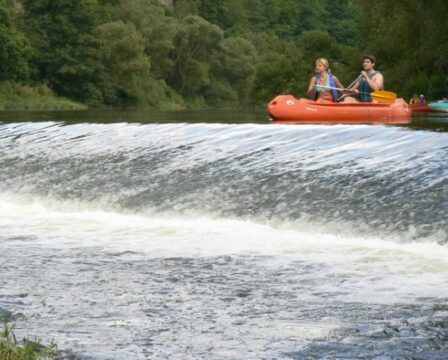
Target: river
{"points": [[216, 235]]}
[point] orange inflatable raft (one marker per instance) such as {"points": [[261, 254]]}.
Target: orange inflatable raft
{"points": [[288, 109]]}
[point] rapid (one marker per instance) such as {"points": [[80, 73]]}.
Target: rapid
{"points": [[226, 241]]}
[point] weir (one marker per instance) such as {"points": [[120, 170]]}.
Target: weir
{"points": [[172, 236]]}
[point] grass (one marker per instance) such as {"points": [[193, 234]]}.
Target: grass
{"points": [[30, 350], [15, 96]]}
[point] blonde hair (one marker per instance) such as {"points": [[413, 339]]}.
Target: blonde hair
{"points": [[324, 62]]}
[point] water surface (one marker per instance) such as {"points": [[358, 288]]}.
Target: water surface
{"points": [[224, 236]]}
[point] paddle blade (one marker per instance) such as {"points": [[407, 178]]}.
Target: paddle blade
{"points": [[384, 97]]}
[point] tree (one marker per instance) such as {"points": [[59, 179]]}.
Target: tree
{"points": [[123, 56], [282, 70], [66, 49], [195, 43], [15, 50], [157, 30], [410, 42], [233, 72]]}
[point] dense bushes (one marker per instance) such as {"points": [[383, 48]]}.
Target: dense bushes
{"points": [[220, 53]]}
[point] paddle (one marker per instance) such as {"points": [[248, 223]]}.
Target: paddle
{"points": [[382, 96], [348, 87]]}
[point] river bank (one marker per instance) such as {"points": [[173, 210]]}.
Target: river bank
{"points": [[23, 97]]}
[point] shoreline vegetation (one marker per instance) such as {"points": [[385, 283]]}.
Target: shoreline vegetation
{"points": [[208, 54], [34, 98], [11, 349]]}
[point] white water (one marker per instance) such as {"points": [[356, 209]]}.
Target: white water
{"points": [[214, 241], [408, 270]]}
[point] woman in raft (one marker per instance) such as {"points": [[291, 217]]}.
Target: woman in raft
{"points": [[323, 80]]}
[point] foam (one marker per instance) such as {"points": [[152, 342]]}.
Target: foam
{"points": [[67, 224]]}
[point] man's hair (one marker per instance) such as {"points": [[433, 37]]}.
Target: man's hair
{"points": [[369, 57]]}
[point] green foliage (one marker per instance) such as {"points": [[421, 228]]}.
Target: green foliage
{"points": [[280, 71], [340, 21], [31, 350], [14, 47], [280, 46], [124, 58], [15, 96], [285, 18], [225, 13], [316, 44], [137, 48], [155, 27], [195, 43], [233, 71], [66, 49], [410, 41], [200, 53], [216, 53], [286, 67]]}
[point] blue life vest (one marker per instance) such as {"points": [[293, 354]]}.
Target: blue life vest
{"points": [[365, 88], [331, 83]]}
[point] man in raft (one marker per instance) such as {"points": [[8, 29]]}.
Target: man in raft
{"points": [[322, 85], [369, 81]]}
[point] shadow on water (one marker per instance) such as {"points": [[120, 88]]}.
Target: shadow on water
{"points": [[420, 121], [139, 116], [436, 121]]}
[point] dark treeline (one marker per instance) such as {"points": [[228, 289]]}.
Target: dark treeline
{"points": [[216, 53], [411, 39]]}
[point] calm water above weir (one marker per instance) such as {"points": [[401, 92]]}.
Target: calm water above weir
{"points": [[216, 235]]}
